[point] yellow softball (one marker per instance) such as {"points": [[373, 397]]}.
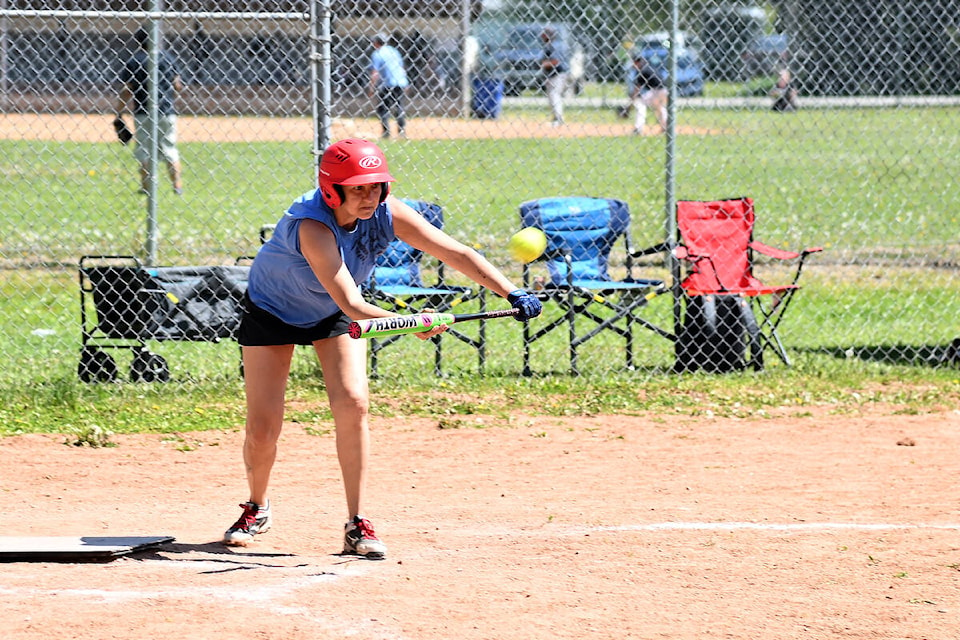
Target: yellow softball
{"points": [[528, 244]]}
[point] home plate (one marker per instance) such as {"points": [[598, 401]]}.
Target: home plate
{"points": [[75, 548]]}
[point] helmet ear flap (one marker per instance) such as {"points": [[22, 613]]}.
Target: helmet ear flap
{"points": [[332, 194]]}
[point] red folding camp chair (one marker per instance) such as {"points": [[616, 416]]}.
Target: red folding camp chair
{"points": [[717, 245]]}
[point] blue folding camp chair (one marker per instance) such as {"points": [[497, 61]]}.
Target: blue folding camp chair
{"points": [[581, 231], [397, 285]]}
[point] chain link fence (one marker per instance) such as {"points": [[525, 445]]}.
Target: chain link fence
{"points": [[115, 275]]}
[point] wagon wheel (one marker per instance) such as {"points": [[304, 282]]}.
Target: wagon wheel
{"points": [[96, 366], [148, 367]]}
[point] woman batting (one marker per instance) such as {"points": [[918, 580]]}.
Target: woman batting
{"points": [[304, 290]]}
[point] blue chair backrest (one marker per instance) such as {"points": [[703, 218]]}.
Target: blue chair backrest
{"points": [[399, 266], [585, 227]]}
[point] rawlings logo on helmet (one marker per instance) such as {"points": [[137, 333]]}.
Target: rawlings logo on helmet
{"points": [[370, 162]]}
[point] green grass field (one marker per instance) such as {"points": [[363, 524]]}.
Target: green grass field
{"points": [[874, 187]]}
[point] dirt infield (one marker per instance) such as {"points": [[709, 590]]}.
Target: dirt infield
{"points": [[793, 526], [98, 128]]}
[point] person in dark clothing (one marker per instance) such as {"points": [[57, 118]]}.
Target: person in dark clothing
{"points": [[134, 80], [646, 89], [783, 94], [555, 67]]}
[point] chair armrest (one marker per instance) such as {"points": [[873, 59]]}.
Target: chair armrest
{"points": [[773, 252], [780, 254], [649, 251]]}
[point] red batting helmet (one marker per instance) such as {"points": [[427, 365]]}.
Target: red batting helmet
{"points": [[352, 162]]}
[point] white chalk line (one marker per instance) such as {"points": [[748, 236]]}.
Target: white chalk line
{"points": [[770, 526], [550, 529]]}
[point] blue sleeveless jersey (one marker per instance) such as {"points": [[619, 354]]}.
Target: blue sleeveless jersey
{"points": [[281, 280]]}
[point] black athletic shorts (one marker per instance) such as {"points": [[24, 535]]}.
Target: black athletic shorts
{"points": [[259, 328]]}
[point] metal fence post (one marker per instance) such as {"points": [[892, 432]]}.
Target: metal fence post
{"points": [[153, 117], [670, 176], [321, 76]]}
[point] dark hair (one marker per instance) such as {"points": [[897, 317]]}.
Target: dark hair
{"points": [[141, 37], [384, 188]]}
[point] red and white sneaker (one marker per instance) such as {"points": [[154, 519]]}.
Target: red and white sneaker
{"points": [[254, 520], [359, 539]]}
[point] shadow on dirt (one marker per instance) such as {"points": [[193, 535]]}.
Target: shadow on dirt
{"points": [[901, 354], [234, 558]]}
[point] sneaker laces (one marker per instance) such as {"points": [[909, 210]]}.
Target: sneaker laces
{"points": [[365, 528], [248, 518]]}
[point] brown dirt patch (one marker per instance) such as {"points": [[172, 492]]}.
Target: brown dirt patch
{"points": [[606, 527], [98, 128]]}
